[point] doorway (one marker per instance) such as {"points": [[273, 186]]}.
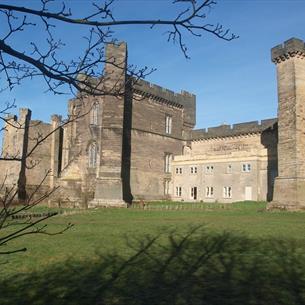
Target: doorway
{"points": [[248, 193], [194, 193]]}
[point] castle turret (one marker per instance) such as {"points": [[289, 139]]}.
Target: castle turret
{"points": [[289, 188]]}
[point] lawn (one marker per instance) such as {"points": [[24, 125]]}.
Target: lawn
{"points": [[106, 238], [101, 231]]}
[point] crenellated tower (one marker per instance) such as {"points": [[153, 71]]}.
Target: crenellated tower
{"points": [[289, 188], [109, 183]]}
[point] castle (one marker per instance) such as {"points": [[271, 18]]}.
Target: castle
{"points": [[141, 145]]}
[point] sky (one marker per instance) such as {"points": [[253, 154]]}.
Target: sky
{"points": [[233, 81]]}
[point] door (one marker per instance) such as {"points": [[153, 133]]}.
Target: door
{"points": [[194, 193], [248, 193]]}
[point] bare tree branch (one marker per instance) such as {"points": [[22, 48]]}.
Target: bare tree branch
{"points": [[58, 73]]}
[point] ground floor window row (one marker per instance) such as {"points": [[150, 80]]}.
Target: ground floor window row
{"points": [[209, 192]]}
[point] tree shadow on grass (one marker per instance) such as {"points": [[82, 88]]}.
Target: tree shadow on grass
{"points": [[193, 268]]}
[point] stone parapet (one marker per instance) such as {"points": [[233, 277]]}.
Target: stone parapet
{"points": [[290, 48], [235, 130], [184, 99], [147, 87]]}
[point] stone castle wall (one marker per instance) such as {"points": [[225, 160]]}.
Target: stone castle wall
{"points": [[244, 162], [131, 141], [25, 144]]}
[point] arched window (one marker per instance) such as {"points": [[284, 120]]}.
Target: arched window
{"points": [[94, 114], [92, 154]]}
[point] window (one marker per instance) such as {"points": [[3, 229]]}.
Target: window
{"points": [[168, 124], [194, 192], [229, 169], [15, 145], [167, 162], [273, 174], [209, 192], [178, 191], [193, 169], [246, 167], [227, 192], [179, 170], [92, 152], [94, 114], [209, 169], [166, 187]]}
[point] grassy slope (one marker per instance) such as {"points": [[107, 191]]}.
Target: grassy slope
{"points": [[104, 230]]}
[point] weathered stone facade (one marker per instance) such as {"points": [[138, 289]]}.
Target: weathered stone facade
{"points": [[115, 153], [228, 164], [140, 145], [290, 183]]}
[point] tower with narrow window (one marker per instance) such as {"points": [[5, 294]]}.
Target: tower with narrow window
{"points": [[109, 183], [289, 188]]}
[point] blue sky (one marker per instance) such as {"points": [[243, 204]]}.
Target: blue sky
{"points": [[233, 81]]}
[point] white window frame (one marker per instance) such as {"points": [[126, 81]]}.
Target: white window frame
{"points": [[227, 192], [209, 192], [178, 191], [166, 186], [167, 162], [193, 169], [246, 167], [229, 169], [168, 124], [209, 169], [178, 170]]}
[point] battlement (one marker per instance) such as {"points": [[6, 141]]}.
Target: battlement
{"points": [[184, 99], [56, 118], [11, 117], [117, 45], [161, 92], [290, 48], [116, 54], [38, 123], [234, 130]]}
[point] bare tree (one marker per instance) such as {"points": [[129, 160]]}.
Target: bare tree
{"points": [[81, 76], [44, 59]]}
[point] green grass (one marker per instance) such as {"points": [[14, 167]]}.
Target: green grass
{"points": [[101, 231], [204, 254]]}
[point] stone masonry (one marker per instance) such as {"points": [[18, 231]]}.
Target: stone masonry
{"points": [[139, 144], [289, 190]]}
